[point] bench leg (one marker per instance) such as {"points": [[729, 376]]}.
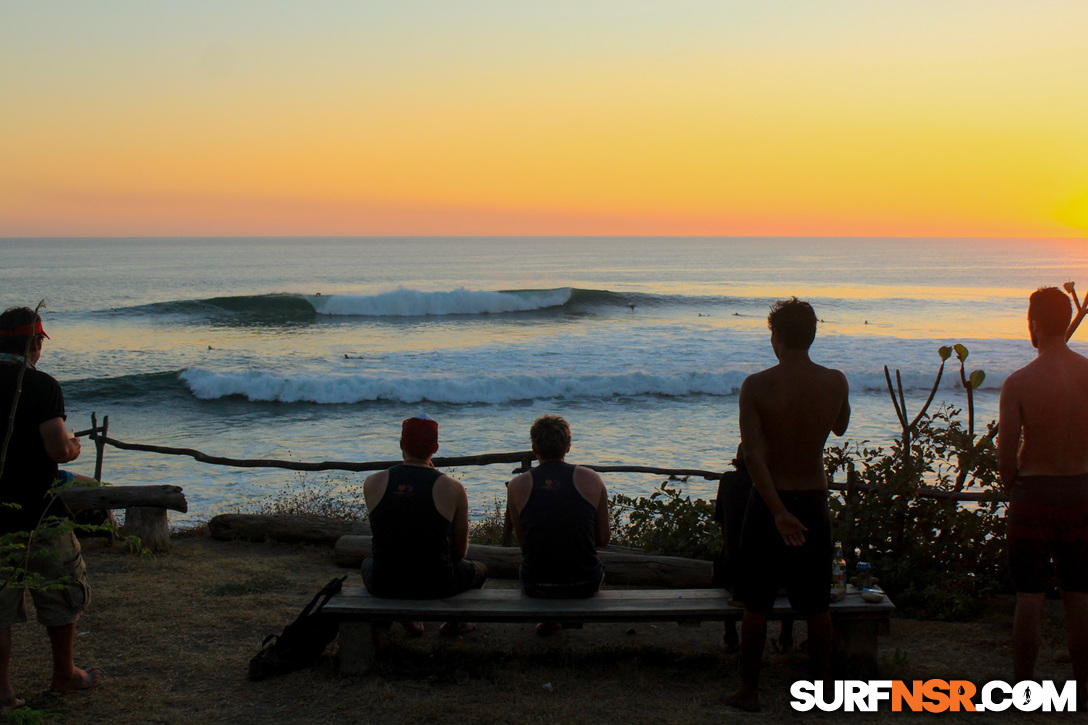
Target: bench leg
{"points": [[358, 650], [856, 642]]}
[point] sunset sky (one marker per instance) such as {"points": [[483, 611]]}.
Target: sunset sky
{"points": [[626, 117]]}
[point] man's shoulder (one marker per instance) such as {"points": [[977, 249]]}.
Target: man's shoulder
{"points": [[32, 376], [520, 480], [376, 479], [447, 481], [759, 379], [43, 382], [583, 473]]}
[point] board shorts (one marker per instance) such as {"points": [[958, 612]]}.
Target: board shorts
{"points": [[464, 575], [569, 590], [767, 563], [1048, 532], [56, 557]]}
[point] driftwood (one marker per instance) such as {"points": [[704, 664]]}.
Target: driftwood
{"points": [[123, 497], [620, 566], [262, 527], [523, 458]]}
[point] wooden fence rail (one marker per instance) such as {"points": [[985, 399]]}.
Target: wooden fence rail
{"points": [[524, 459]]}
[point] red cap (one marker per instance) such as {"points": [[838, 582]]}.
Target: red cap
{"points": [[419, 436], [26, 330]]}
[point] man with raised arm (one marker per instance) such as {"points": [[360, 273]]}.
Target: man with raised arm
{"points": [[786, 414], [36, 441], [1042, 448], [560, 516], [419, 517]]}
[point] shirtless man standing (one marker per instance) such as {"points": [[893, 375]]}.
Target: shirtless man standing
{"points": [[1042, 448], [786, 414]]}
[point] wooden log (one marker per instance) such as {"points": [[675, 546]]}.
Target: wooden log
{"points": [[263, 527], [620, 567], [123, 497], [150, 526]]}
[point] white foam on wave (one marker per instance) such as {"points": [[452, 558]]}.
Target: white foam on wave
{"points": [[874, 381], [332, 389], [414, 303]]}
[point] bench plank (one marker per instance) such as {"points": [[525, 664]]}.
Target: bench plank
{"points": [[857, 623], [616, 605]]}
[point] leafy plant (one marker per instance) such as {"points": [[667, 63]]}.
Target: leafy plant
{"points": [[666, 522], [935, 557]]}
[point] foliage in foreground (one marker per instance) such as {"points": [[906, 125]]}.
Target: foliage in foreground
{"points": [[936, 558], [666, 522]]}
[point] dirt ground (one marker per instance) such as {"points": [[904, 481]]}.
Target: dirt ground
{"points": [[173, 637]]}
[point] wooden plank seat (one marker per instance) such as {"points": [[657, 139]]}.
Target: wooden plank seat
{"points": [[857, 623]]}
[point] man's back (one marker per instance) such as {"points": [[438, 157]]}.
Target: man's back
{"points": [[796, 404], [1050, 398], [29, 472]]}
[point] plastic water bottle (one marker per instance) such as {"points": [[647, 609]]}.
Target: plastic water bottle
{"points": [[838, 570]]}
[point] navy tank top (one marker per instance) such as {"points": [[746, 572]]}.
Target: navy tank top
{"points": [[559, 529], [411, 546]]}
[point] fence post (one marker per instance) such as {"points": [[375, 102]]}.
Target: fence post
{"points": [[99, 438]]}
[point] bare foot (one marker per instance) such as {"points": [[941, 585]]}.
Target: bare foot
{"points": [[545, 629], [741, 701], [80, 680], [413, 629], [451, 629], [13, 703]]}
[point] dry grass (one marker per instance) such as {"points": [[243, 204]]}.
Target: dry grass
{"points": [[173, 637]]}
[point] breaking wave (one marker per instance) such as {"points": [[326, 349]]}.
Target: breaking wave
{"points": [[346, 389]]}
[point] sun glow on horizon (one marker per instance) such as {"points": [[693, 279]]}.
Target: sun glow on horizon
{"points": [[491, 119]]}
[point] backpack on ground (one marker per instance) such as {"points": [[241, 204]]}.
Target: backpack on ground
{"points": [[301, 642]]}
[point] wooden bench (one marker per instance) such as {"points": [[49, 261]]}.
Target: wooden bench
{"points": [[857, 623]]}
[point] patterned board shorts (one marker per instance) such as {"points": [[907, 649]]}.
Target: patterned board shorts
{"points": [[56, 558]]}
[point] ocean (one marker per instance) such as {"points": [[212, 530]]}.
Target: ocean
{"points": [[315, 349]]}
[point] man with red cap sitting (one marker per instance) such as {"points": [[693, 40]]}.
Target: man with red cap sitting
{"points": [[419, 517]]}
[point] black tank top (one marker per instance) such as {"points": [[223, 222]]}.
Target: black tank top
{"points": [[559, 529], [411, 546]]}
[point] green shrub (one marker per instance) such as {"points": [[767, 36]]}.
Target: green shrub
{"points": [[489, 528], [337, 497], [936, 558], [666, 522]]}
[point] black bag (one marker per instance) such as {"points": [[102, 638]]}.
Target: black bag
{"points": [[301, 642]]}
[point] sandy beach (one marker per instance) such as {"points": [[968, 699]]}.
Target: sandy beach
{"points": [[173, 637]]}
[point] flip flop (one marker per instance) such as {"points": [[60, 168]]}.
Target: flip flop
{"points": [[446, 630], [545, 629]]}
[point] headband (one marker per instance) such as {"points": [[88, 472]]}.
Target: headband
{"points": [[26, 330]]}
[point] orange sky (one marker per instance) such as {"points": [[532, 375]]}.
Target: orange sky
{"points": [[427, 118]]}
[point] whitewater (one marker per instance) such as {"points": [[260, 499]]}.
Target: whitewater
{"points": [[315, 349]]}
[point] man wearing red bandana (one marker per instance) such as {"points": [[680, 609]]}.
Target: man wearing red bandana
{"points": [[35, 441]]}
